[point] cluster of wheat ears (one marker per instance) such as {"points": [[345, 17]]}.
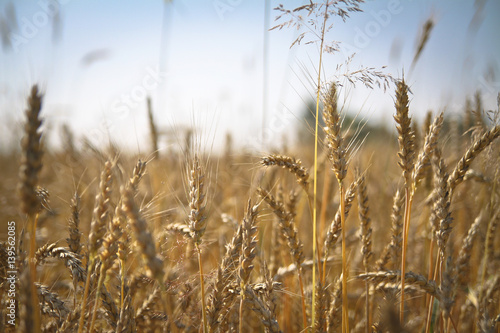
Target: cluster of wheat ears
{"points": [[188, 241], [229, 245]]}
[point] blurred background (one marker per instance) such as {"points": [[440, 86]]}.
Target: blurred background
{"points": [[215, 67]]}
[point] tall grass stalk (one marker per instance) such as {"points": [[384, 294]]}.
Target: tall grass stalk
{"points": [[315, 173]]}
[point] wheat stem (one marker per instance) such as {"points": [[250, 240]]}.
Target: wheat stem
{"points": [[32, 263], [202, 286], [304, 313], [315, 190], [345, 307], [406, 227]]}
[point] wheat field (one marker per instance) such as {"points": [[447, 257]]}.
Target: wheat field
{"points": [[176, 242], [393, 232]]}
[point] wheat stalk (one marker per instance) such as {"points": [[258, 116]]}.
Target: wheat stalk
{"points": [[406, 156], [97, 229], [248, 253], [290, 232], [29, 173], [198, 221], [366, 241]]}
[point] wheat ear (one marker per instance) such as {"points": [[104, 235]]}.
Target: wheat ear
{"points": [[29, 173], [290, 232], [248, 252], [406, 157], [457, 176], [198, 221], [366, 241], [152, 129], [97, 230], [337, 152], [291, 164]]}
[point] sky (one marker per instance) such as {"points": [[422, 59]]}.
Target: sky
{"points": [[202, 64]]}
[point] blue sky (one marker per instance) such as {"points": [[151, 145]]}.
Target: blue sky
{"points": [[202, 64]]}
